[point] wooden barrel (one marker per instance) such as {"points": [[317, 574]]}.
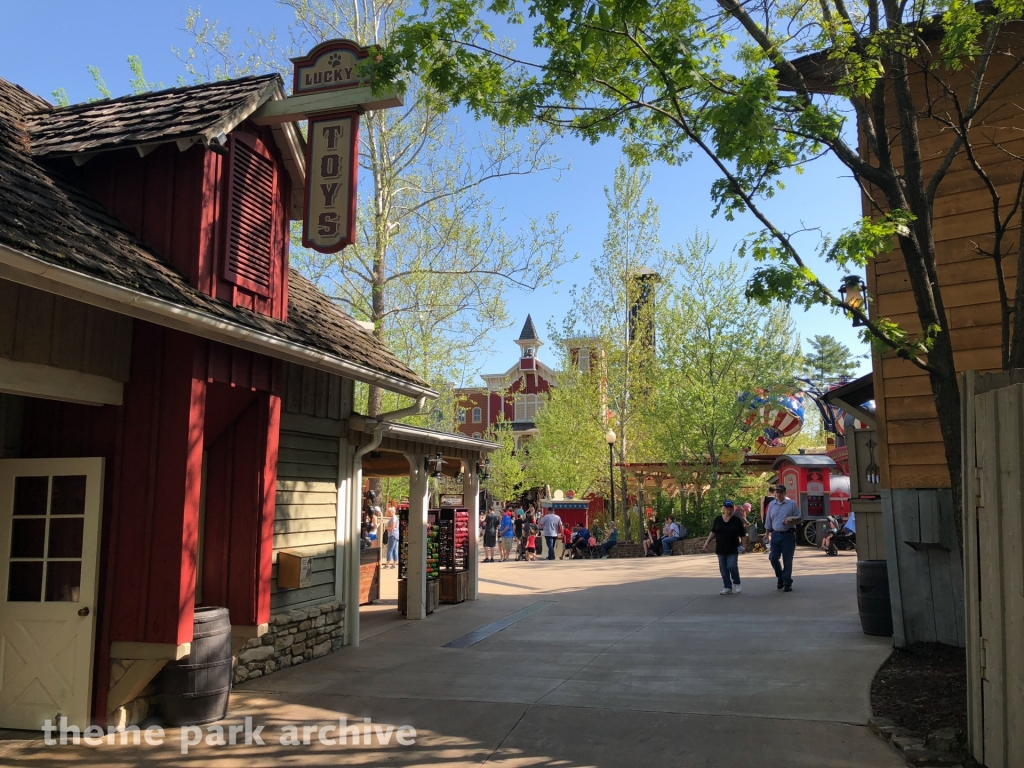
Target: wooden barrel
{"points": [[195, 690], [873, 597]]}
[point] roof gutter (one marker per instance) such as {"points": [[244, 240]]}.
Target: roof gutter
{"points": [[37, 273]]}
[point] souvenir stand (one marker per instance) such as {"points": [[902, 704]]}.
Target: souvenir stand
{"points": [[433, 561], [453, 549], [572, 511]]}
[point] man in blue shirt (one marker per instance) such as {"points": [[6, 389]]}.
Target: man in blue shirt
{"points": [[581, 540], [506, 534], [780, 521]]}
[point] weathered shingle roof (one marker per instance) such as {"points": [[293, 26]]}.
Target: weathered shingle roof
{"points": [[199, 112], [529, 332], [16, 102], [45, 216]]}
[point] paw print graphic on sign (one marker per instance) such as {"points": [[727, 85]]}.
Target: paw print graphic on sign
{"points": [[335, 59]]}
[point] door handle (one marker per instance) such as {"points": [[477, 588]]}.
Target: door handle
{"points": [[83, 611]]}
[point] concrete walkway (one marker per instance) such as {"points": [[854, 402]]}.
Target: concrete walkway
{"points": [[621, 663]]}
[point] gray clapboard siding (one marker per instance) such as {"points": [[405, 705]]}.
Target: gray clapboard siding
{"points": [[296, 439], [306, 525], [306, 470], [305, 520], [292, 540], [303, 511], [293, 598], [314, 458]]}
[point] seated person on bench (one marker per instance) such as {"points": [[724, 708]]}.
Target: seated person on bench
{"points": [[613, 539], [581, 541], [670, 535]]}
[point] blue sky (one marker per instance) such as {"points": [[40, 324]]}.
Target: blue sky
{"points": [[48, 44]]}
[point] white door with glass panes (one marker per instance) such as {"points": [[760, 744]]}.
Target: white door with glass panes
{"points": [[49, 539]]}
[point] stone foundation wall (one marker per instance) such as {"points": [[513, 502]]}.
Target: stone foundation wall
{"points": [[626, 550], [689, 546], [293, 637]]}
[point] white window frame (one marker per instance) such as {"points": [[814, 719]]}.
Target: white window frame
{"points": [[477, 415], [531, 407], [583, 360], [462, 415]]}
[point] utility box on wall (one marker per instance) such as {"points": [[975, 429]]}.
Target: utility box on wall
{"points": [[294, 571]]}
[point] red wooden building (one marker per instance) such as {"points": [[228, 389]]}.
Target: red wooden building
{"points": [[149, 326], [512, 395]]}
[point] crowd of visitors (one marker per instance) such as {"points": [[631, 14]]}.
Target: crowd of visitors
{"points": [[524, 532]]}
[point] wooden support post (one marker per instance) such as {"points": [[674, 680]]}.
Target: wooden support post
{"points": [[972, 588], [416, 569], [471, 498], [351, 548]]}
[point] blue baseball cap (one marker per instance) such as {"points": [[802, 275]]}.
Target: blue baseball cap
{"points": [[728, 504]]}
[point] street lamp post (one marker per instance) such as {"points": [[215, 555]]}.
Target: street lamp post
{"points": [[610, 438]]}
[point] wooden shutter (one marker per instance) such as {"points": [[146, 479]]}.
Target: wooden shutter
{"points": [[249, 241]]}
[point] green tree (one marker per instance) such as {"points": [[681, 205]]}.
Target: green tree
{"points": [[609, 309], [720, 348], [138, 80], [569, 451], [434, 257], [762, 90], [507, 475], [828, 359]]}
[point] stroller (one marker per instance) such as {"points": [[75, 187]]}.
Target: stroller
{"points": [[838, 537], [588, 551]]}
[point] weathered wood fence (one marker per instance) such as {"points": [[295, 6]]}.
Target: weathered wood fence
{"points": [[926, 582], [993, 456]]}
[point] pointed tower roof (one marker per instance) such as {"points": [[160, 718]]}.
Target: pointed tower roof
{"points": [[529, 332]]}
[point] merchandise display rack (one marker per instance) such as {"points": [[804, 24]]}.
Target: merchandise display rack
{"points": [[403, 541], [447, 567], [433, 544], [453, 539]]}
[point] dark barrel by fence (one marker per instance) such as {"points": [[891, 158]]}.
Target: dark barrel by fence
{"points": [[873, 597], [195, 690]]}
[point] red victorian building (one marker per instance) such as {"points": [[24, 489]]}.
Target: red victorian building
{"points": [[512, 396], [173, 397]]}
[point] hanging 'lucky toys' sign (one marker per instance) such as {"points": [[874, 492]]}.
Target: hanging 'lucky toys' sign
{"points": [[332, 147], [329, 66], [332, 152]]}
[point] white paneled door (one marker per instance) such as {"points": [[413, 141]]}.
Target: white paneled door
{"points": [[49, 543]]}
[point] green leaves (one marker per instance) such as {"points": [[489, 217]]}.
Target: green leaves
{"points": [[507, 474], [714, 345], [569, 451], [868, 238]]}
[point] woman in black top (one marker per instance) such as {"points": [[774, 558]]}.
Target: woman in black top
{"points": [[727, 531], [491, 523]]}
